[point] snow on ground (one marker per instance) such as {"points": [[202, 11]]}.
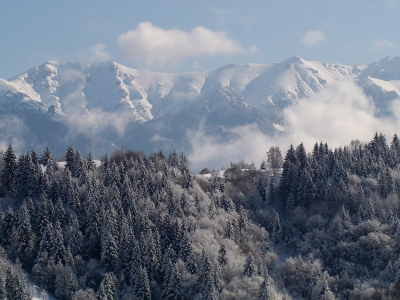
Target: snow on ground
{"points": [[37, 292], [61, 164]]}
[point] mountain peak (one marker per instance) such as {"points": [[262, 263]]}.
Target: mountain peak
{"points": [[294, 59]]}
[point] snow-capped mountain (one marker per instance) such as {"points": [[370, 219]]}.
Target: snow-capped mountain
{"points": [[101, 106]]}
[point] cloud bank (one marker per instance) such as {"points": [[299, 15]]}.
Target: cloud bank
{"points": [[82, 120], [98, 53], [313, 38], [337, 115], [155, 46]]}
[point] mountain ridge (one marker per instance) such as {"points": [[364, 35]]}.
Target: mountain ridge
{"points": [[106, 100]]}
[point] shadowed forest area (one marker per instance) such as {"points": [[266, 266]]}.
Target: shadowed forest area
{"points": [[318, 225]]}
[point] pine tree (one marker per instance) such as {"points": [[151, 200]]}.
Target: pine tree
{"points": [[360, 215], [265, 290], [73, 236], [289, 205], [290, 165], [227, 203], [186, 253], [8, 224], [249, 268], [222, 256], [27, 237], [271, 192], [142, 287], [8, 172], [205, 273], [91, 165], [136, 264], [70, 159], [109, 250], [261, 190], [277, 230], [15, 287], [151, 257], [126, 253], [395, 287], [57, 247], [106, 288], [65, 282], [218, 278], [209, 291], [173, 286], [3, 291], [169, 257], [370, 211]]}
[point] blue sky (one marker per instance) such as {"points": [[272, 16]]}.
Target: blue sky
{"points": [[188, 35]]}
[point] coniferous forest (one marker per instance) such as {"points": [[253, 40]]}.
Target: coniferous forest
{"points": [[318, 225]]}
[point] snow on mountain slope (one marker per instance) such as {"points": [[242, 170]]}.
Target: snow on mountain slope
{"points": [[13, 96], [104, 104], [234, 75], [108, 86], [285, 82], [386, 69], [382, 92]]}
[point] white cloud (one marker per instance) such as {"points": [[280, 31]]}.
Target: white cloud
{"points": [[155, 46], [82, 120], [313, 38], [98, 53], [249, 144], [12, 132], [336, 115], [380, 45]]}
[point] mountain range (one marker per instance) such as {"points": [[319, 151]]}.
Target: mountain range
{"points": [[105, 106]]}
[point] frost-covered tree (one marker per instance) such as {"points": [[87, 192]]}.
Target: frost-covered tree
{"points": [[250, 268]]}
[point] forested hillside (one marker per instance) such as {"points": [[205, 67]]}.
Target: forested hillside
{"points": [[324, 225]]}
